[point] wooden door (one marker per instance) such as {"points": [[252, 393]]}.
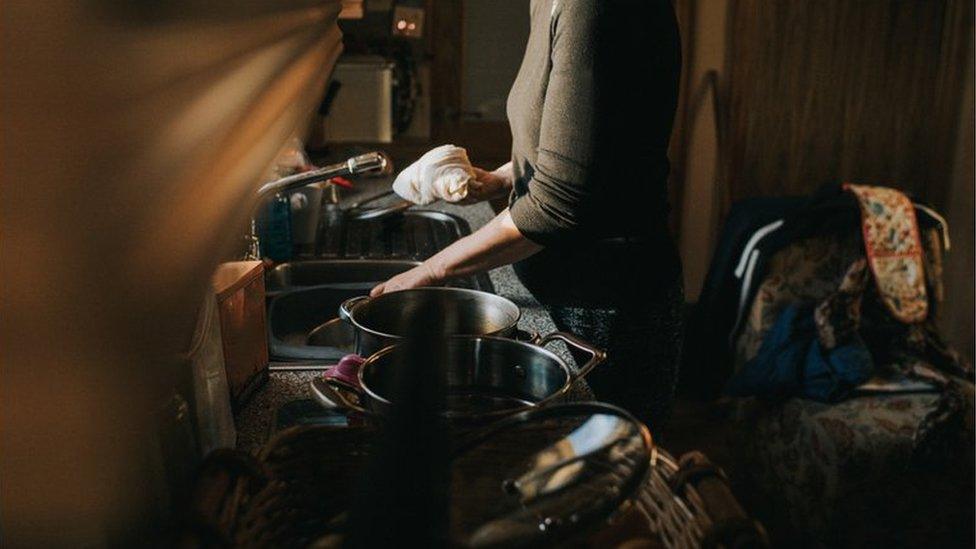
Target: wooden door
{"points": [[832, 90], [489, 142]]}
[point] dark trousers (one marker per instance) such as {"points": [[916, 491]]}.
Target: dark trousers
{"points": [[643, 344]]}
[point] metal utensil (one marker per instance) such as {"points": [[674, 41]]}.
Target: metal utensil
{"points": [[381, 213], [360, 203], [356, 210]]}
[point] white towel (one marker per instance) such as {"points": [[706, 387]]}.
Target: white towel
{"points": [[442, 173]]}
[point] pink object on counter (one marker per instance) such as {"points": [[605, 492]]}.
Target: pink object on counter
{"points": [[346, 371]]}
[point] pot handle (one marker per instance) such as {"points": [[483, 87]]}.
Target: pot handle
{"points": [[596, 355], [331, 393], [347, 307], [527, 336]]}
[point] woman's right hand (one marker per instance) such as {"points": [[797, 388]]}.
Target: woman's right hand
{"points": [[489, 185]]}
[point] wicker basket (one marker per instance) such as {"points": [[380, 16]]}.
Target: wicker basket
{"points": [[286, 496], [688, 503], [291, 495]]}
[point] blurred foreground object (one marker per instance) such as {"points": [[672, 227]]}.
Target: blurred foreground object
{"points": [[578, 475], [155, 122]]}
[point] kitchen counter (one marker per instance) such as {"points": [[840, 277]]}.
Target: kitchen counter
{"points": [[254, 420]]}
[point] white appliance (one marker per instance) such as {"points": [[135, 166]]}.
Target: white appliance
{"points": [[362, 110]]}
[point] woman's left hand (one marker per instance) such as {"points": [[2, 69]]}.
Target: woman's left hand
{"points": [[419, 276], [489, 185]]}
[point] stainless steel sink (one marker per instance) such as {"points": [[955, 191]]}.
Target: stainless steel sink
{"points": [[414, 235], [305, 295], [294, 315], [318, 272], [348, 257]]}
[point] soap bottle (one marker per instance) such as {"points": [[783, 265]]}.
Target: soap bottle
{"points": [[275, 226], [274, 229]]}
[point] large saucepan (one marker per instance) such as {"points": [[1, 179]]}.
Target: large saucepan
{"points": [[382, 321], [484, 377]]}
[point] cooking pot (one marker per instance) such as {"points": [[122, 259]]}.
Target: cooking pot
{"points": [[384, 320], [484, 377]]}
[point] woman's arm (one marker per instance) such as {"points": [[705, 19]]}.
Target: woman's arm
{"points": [[497, 243], [559, 197]]}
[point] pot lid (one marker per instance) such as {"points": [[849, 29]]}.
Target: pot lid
{"points": [[542, 475]]}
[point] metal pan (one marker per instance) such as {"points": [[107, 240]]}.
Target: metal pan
{"points": [[441, 312], [484, 377]]}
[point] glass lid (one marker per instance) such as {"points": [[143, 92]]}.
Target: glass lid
{"points": [[542, 475]]}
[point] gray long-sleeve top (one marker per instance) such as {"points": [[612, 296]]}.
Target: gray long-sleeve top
{"points": [[591, 112]]}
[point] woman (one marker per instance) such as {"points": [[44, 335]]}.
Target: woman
{"points": [[591, 112]]}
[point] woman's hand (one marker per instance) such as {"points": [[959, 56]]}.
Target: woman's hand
{"points": [[498, 243], [419, 276], [489, 185]]}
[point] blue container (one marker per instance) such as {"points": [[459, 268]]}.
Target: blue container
{"points": [[274, 229]]}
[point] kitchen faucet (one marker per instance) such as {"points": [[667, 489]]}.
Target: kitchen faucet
{"points": [[376, 163]]}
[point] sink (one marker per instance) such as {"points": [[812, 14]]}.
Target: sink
{"points": [[413, 235], [347, 258], [317, 272], [306, 294], [304, 299], [294, 315]]}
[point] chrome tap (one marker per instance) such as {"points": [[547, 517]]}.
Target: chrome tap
{"points": [[374, 163]]}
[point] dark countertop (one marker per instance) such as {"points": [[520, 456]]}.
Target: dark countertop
{"points": [[254, 420]]}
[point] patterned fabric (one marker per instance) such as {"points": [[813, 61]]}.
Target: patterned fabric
{"points": [[811, 270], [872, 470], [948, 428], [793, 363], [839, 315], [807, 271], [845, 475], [894, 250]]}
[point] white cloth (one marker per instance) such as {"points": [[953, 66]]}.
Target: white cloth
{"points": [[442, 173]]}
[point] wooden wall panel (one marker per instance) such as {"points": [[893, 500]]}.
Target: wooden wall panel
{"points": [[833, 90]]}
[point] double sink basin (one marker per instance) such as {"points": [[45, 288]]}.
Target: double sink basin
{"points": [[348, 261]]}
